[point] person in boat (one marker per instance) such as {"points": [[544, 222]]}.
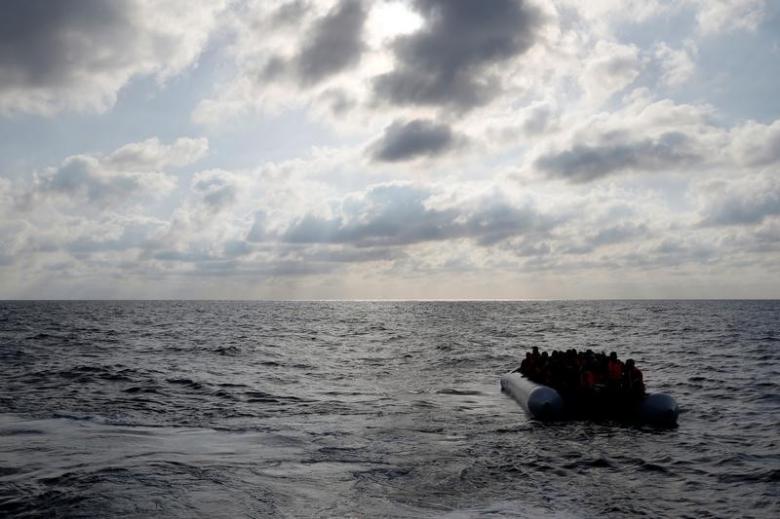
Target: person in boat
{"points": [[535, 355], [614, 374], [633, 385], [543, 369], [525, 366], [594, 377]]}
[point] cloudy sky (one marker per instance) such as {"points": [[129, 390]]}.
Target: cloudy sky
{"points": [[389, 149]]}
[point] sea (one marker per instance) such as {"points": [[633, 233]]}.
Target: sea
{"points": [[188, 409]]}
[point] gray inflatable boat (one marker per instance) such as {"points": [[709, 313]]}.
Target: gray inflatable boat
{"points": [[544, 403]]}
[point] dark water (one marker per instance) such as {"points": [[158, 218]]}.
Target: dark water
{"points": [[223, 409]]}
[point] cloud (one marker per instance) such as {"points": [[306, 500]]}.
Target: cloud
{"points": [[747, 202], [584, 163], [609, 68], [115, 234], [729, 15], [448, 62], [291, 54], [217, 189], [257, 232], [615, 11], [351, 255], [756, 144], [76, 55], [84, 176], [333, 43], [336, 42], [413, 139], [130, 171], [677, 66], [151, 153], [611, 235], [290, 13], [540, 117], [712, 17], [397, 214], [643, 136]]}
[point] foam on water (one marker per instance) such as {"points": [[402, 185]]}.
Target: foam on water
{"points": [[196, 409]]}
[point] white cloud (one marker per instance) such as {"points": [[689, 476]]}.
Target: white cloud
{"points": [[727, 15], [677, 65], [128, 173], [610, 68], [756, 144], [154, 155], [712, 16], [605, 12]]}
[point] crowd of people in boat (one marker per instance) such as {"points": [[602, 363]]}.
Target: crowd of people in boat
{"points": [[584, 373]]}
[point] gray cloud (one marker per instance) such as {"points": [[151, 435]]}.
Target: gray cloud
{"points": [[44, 42], [392, 215], [615, 234], [132, 170], [337, 101], [446, 63], [584, 163], [78, 53], [218, 190], [539, 120], [236, 248], [290, 13], [409, 140], [744, 207], [336, 43], [135, 234], [619, 234], [258, 232], [84, 175], [350, 255]]}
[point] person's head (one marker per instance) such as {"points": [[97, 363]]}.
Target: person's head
{"points": [[535, 349], [528, 355], [613, 356], [545, 355], [630, 363]]}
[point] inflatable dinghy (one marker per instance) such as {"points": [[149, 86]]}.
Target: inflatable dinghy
{"points": [[544, 403]]}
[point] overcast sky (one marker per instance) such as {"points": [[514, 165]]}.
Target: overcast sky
{"points": [[427, 149]]}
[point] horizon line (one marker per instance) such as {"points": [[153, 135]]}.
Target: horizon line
{"points": [[389, 300]]}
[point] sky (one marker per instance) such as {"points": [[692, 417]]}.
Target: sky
{"points": [[389, 149]]}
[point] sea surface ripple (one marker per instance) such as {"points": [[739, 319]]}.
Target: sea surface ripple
{"points": [[376, 409]]}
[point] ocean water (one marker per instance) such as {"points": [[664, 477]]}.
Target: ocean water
{"points": [[376, 409]]}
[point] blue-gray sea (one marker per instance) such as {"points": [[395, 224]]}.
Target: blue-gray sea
{"points": [[376, 409]]}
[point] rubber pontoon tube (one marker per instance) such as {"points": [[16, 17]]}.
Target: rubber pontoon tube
{"points": [[659, 409], [544, 403], [540, 402]]}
